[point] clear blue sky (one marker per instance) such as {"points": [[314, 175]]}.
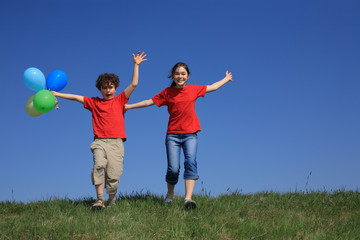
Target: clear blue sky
{"points": [[292, 109]]}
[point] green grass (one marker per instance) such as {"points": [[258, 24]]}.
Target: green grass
{"points": [[267, 215]]}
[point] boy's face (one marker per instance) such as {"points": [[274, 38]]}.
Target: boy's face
{"points": [[108, 91]]}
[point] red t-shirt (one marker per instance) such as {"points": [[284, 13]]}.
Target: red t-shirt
{"points": [[107, 116], [181, 107]]}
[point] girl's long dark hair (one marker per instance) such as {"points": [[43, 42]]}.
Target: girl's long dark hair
{"points": [[179, 64]]}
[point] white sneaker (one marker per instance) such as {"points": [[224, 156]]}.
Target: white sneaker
{"points": [[169, 198]]}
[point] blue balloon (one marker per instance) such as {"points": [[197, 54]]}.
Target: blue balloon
{"points": [[34, 79], [56, 80]]}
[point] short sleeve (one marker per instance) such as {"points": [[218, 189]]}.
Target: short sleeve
{"points": [[123, 97], [160, 98], [88, 103], [201, 91]]}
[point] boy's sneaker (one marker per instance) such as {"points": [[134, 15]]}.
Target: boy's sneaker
{"points": [[99, 204], [190, 204], [111, 203], [169, 198]]}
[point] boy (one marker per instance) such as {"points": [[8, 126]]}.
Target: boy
{"points": [[109, 131]]}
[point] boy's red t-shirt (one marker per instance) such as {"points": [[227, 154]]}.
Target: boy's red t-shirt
{"points": [[181, 107], [107, 116]]}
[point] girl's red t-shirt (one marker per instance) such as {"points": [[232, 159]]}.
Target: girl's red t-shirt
{"points": [[181, 107], [107, 116]]}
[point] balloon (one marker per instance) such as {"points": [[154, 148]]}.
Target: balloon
{"points": [[56, 80], [30, 109], [44, 101], [34, 79]]}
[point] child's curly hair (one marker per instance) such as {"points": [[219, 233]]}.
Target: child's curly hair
{"points": [[106, 79]]}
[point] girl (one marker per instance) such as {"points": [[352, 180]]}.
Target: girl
{"points": [[182, 127]]}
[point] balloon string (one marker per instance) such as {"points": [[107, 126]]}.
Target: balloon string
{"points": [[56, 104]]}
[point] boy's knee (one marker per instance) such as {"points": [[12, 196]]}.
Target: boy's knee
{"points": [[99, 166], [112, 186]]}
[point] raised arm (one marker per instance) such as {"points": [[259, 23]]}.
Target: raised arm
{"points": [[142, 104], [217, 85], [139, 58], [67, 96]]}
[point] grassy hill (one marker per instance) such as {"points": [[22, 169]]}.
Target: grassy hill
{"points": [[267, 215]]}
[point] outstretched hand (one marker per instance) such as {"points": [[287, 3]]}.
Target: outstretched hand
{"points": [[139, 58], [228, 75]]}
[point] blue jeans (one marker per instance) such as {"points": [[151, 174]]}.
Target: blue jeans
{"points": [[174, 143]]}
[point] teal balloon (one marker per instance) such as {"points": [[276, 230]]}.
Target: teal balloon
{"points": [[34, 79], [56, 80], [44, 101], [30, 109]]}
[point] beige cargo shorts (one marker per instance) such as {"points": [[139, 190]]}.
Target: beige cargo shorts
{"points": [[108, 156]]}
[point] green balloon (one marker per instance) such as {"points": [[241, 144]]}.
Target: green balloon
{"points": [[44, 101]]}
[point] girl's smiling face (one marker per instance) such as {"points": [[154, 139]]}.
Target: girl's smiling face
{"points": [[180, 77], [108, 91]]}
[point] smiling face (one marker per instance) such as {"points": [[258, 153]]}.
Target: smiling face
{"points": [[180, 77], [108, 91]]}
